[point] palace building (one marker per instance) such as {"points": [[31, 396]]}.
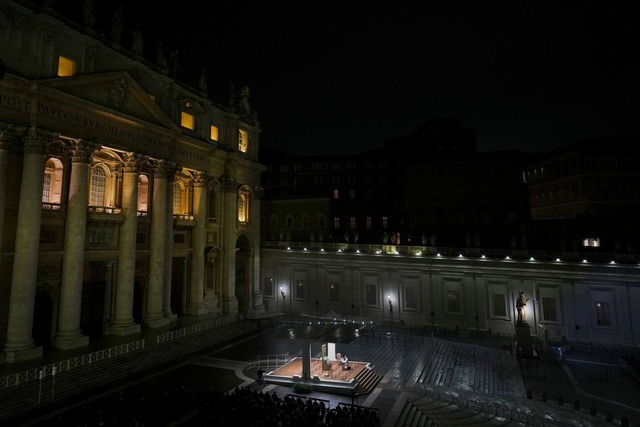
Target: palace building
{"points": [[127, 197]]}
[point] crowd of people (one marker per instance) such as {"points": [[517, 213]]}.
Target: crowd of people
{"points": [[207, 407]]}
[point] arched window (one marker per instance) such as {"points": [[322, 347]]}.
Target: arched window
{"points": [[143, 193], [98, 186], [178, 190], [243, 205], [52, 185]]}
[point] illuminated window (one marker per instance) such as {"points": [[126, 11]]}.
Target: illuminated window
{"points": [[592, 242], [187, 120], [336, 222], [214, 133], [352, 222], [243, 141], [336, 194], [67, 67], [368, 222], [243, 205], [98, 186], [143, 193], [52, 186], [385, 222], [178, 190]]}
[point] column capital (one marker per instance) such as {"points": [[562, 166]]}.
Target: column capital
{"points": [[10, 137], [82, 150], [229, 184], [35, 141], [201, 179], [132, 162], [165, 169]]}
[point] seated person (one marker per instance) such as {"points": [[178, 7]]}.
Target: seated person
{"points": [[345, 363]]}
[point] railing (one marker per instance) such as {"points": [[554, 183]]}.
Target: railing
{"points": [[66, 365], [179, 333], [271, 362]]}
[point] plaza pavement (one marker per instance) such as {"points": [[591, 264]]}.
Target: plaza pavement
{"points": [[425, 381]]}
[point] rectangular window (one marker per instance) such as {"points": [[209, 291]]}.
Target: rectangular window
{"points": [[336, 222], [592, 242], [499, 305], [352, 194], [283, 168], [385, 222], [603, 313], [410, 298], [187, 120], [243, 141], [334, 292], [67, 67], [369, 222], [268, 287], [549, 309], [372, 295], [352, 222], [336, 194], [214, 133], [300, 289], [453, 301]]}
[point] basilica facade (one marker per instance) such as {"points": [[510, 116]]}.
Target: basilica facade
{"points": [[127, 198]]}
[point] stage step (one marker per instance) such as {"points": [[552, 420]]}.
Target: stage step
{"points": [[368, 379]]}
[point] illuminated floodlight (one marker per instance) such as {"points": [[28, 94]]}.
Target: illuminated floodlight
{"points": [[558, 259], [288, 248], [612, 262], [304, 249], [507, 257], [438, 254], [532, 259], [459, 255], [482, 256], [584, 261]]}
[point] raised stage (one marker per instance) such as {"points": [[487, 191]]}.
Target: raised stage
{"points": [[335, 380]]}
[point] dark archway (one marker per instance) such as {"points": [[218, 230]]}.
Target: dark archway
{"points": [[42, 319]]}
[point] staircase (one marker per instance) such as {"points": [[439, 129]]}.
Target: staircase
{"points": [[367, 379]]}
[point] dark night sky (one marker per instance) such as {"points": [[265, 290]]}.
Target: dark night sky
{"points": [[338, 78]]}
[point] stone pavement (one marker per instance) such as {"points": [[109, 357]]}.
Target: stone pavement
{"points": [[426, 381]]}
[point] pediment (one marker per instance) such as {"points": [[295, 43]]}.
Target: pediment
{"points": [[115, 91]]}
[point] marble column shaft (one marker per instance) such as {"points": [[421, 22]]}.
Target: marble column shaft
{"points": [[157, 255], [122, 321], [196, 285], [25, 261], [68, 333]]}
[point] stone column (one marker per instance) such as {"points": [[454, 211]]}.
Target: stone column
{"points": [[122, 322], [168, 255], [19, 345], [257, 305], [229, 228], [154, 316], [196, 286], [6, 141], [68, 334]]}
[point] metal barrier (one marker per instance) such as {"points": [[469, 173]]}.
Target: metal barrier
{"points": [[66, 365], [179, 333], [271, 362]]}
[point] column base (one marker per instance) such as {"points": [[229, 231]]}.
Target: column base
{"points": [[197, 311], [16, 356], [122, 330], [158, 322], [69, 343]]}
